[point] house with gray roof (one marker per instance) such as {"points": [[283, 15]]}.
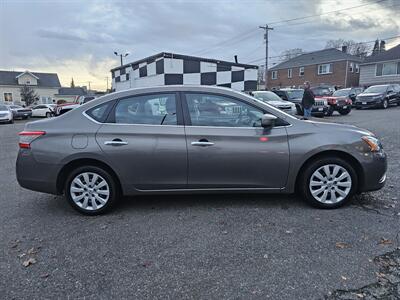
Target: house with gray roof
{"points": [[328, 66], [45, 85], [381, 68]]}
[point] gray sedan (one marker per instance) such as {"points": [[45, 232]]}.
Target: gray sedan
{"points": [[193, 139]]}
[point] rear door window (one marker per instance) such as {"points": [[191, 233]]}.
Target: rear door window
{"points": [[156, 109], [100, 112]]}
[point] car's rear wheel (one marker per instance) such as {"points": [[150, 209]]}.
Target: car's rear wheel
{"points": [[48, 115], [328, 182], [91, 190], [385, 104]]}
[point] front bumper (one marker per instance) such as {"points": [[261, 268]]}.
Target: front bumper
{"points": [[22, 114], [369, 104], [318, 110], [6, 119], [36, 176], [374, 171]]}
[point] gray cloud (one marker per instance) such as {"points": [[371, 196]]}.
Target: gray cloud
{"points": [[63, 32]]}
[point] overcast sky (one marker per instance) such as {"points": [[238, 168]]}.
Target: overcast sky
{"points": [[77, 38]]}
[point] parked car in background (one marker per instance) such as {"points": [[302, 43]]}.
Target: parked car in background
{"points": [[379, 96], [6, 115], [322, 91], [66, 107], [295, 96], [274, 100], [43, 110], [342, 100], [185, 139], [20, 112]]}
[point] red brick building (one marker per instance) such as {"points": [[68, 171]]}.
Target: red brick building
{"points": [[328, 66]]}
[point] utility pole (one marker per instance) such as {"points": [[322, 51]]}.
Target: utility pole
{"points": [[121, 56], [266, 28], [89, 85]]}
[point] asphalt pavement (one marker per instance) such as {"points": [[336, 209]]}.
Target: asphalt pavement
{"points": [[203, 246]]}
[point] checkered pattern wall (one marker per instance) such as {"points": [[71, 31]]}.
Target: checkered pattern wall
{"points": [[185, 70]]}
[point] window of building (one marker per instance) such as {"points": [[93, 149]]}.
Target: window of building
{"points": [[387, 69], [301, 71], [8, 97], [289, 73], [215, 110], [324, 69], [274, 74], [157, 109], [357, 68], [351, 67]]}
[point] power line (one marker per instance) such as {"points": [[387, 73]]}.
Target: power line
{"points": [[282, 55], [325, 13]]}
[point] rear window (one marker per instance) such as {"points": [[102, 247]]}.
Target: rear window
{"points": [[100, 112]]}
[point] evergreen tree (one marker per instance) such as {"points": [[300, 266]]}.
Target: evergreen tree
{"points": [[28, 95], [375, 50], [72, 83], [382, 47]]}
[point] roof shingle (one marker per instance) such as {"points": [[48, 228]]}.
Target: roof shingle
{"points": [[45, 79], [316, 57], [391, 54]]}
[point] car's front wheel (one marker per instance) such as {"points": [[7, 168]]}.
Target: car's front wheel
{"points": [[91, 190], [344, 111], [328, 182], [385, 104]]}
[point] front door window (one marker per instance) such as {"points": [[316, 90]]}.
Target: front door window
{"points": [[216, 110]]}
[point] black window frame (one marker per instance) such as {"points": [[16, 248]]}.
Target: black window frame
{"points": [[103, 120], [178, 102], [188, 120]]}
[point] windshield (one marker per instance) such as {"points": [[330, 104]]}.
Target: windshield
{"points": [[295, 94], [376, 89], [3, 107], [344, 92], [266, 96], [321, 91]]}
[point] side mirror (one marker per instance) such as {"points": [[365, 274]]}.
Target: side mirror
{"points": [[268, 120]]}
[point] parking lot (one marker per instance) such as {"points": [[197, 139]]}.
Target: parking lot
{"points": [[203, 246]]}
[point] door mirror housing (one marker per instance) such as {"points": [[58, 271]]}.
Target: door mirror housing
{"points": [[268, 120]]}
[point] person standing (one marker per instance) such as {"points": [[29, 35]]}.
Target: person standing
{"points": [[308, 100]]}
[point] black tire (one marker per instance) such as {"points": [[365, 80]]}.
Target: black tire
{"points": [[344, 112], [385, 104], [304, 182], [358, 107], [48, 115], [299, 110], [112, 185], [11, 121], [330, 111]]}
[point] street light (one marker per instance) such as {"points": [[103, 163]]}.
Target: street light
{"points": [[121, 55]]}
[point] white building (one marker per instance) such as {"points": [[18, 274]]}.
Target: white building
{"points": [[169, 68], [45, 85], [381, 68]]}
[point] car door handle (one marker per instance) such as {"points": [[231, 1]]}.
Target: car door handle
{"points": [[116, 142], [202, 143]]}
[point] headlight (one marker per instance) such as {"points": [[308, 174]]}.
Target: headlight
{"points": [[373, 143], [377, 97]]}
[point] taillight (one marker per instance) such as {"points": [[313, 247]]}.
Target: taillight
{"points": [[27, 137]]}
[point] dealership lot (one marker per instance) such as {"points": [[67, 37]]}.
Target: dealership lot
{"points": [[209, 246]]}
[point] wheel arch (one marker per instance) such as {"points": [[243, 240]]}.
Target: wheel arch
{"points": [[333, 153], [70, 166]]}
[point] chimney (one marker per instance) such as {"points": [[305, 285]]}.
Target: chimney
{"points": [[344, 49], [236, 60]]}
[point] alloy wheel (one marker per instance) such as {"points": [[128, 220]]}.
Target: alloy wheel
{"points": [[89, 191], [330, 184]]}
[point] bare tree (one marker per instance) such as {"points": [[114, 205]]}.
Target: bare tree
{"points": [[353, 47], [291, 53], [28, 95]]}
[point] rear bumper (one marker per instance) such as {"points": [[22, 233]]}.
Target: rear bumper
{"points": [[375, 168], [32, 175]]}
